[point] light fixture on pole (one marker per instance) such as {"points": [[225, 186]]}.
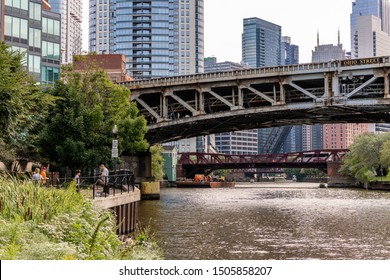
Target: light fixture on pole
{"points": [[114, 151]]}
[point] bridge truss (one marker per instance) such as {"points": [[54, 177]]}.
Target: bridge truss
{"points": [[205, 163], [348, 91]]}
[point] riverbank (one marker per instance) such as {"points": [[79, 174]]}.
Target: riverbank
{"points": [[38, 223]]}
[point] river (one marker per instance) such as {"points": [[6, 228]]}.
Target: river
{"points": [[270, 221]]}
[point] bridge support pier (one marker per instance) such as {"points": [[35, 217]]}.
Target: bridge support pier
{"points": [[336, 179]]}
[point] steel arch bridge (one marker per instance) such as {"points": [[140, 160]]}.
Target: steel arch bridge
{"points": [[347, 91]]}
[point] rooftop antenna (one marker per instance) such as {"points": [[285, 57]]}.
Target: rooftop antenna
{"points": [[318, 38]]}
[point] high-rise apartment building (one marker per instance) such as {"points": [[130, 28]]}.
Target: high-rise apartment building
{"points": [[158, 38], [30, 27], [261, 43], [376, 8], [71, 27]]}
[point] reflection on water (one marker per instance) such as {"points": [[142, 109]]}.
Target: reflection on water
{"points": [[271, 222]]}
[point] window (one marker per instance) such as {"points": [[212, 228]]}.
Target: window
{"points": [[34, 38], [35, 11], [15, 27], [50, 74], [34, 63], [20, 4]]}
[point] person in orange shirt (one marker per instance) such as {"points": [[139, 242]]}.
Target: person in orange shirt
{"points": [[43, 174]]}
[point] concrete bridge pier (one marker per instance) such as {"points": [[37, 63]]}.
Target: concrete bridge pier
{"points": [[336, 179]]}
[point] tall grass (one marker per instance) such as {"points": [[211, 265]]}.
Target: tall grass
{"points": [[43, 223]]}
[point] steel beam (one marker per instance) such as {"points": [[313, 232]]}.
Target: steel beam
{"points": [[262, 95], [149, 109], [304, 91], [182, 102], [220, 98], [370, 81]]}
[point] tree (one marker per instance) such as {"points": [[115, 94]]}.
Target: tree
{"points": [[367, 157], [157, 162], [23, 107], [80, 126]]}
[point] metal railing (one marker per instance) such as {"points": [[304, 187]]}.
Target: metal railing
{"points": [[100, 186]]}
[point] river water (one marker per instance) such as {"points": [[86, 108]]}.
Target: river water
{"points": [[270, 221]]}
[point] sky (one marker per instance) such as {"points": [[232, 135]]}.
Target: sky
{"points": [[299, 19]]}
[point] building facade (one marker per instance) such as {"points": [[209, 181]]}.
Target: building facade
{"points": [[261, 43], [237, 143], [341, 136], [113, 64], [30, 27], [376, 8], [369, 39], [71, 27], [159, 38]]}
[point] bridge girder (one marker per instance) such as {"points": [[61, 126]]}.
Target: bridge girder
{"points": [[354, 91]]}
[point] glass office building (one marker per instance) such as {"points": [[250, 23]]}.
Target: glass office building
{"points": [[30, 27], [158, 38], [261, 43]]}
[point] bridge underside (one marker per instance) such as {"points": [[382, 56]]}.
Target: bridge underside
{"points": [[264, 118], [352, 91]]}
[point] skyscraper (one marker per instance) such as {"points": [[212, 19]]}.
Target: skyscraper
{"points": [[30, 27], [159, 38], [261, 43], [289, 53], [377, 8], [328, 52], [71, 29]]}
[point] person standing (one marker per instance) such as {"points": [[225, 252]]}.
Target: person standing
{"points": [[37, 177], [77, 178], [43, 175], [103, 179]]}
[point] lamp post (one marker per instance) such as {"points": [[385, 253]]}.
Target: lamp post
{"points": [[114, 151]]}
